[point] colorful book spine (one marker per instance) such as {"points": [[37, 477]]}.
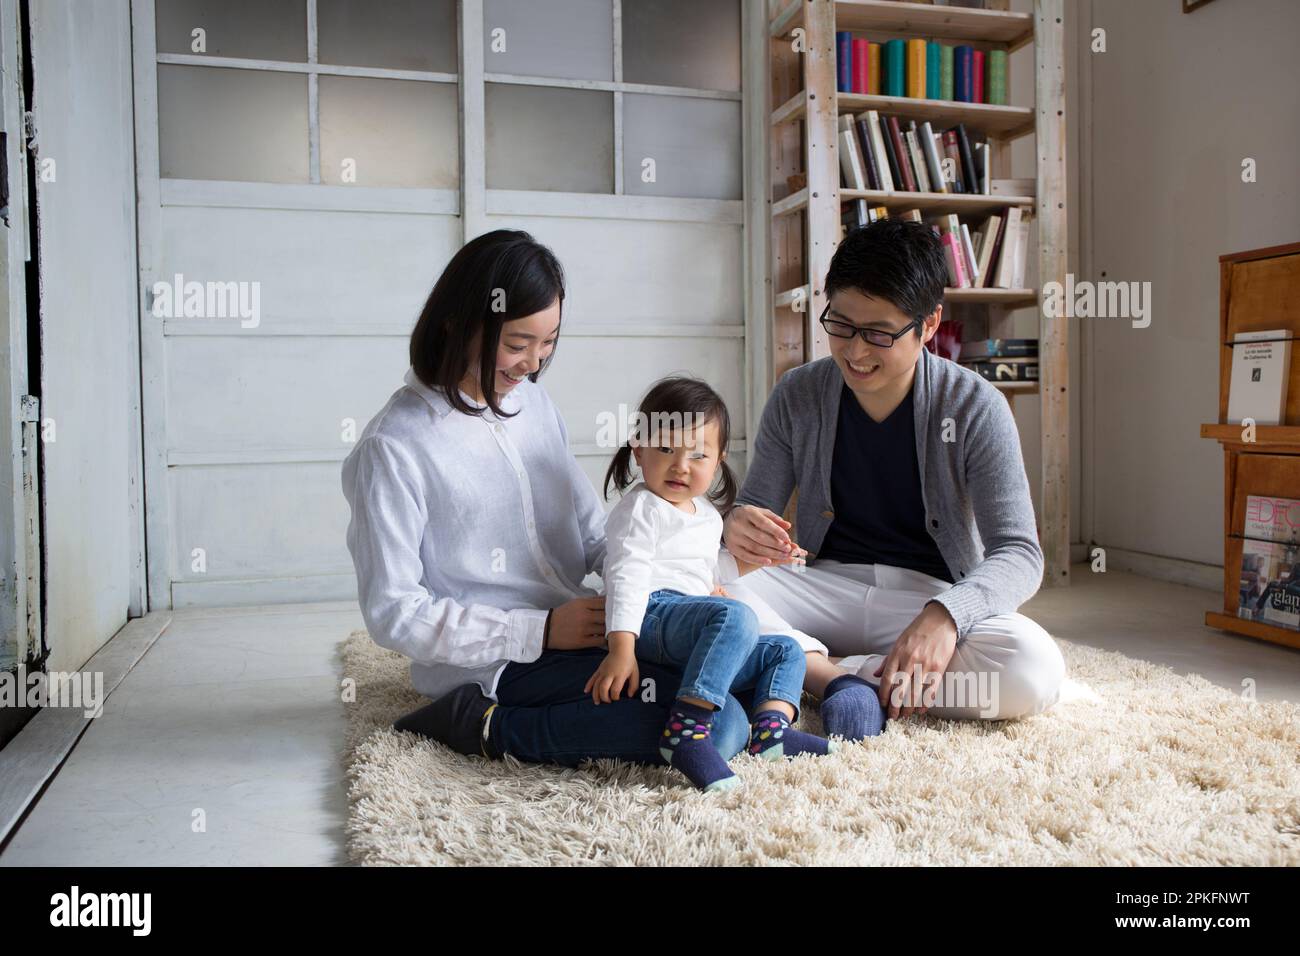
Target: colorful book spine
{"points": [[916, 69], [945, 71], [977, 76], [844, 61], [996, 86], [932, 63], [873, 68], [868, 151], [895, 68], [961, 79], [955, 258], [861, 63]]}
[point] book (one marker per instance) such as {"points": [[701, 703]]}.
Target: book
{"points": [[918, 161], [1005, 371], [999, 348], [977, 76], [972, 266], [895, 68], [955, 257], [999, 240], [983, 163], [878, 147], [932, 84], [873, 68], [961, 73], [895, 142], [1005, 272], [863, 128], [843, 61], [945, 71], [968, 177], [932, 164], [860, 66], [916, 69], [850, 157], [995, 86], [1022, 250], [1261, 365], [987, 236], [950, 151]]}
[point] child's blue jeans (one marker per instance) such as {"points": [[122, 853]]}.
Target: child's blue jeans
{"points": [[714, 642]]}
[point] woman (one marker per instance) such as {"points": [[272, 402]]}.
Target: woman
{"points": [[473, 528]]}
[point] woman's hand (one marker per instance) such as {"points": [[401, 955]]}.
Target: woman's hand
{"points": [[579, 623], [618, 671], [757, 536]]}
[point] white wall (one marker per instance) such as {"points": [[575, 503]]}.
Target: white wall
{"points": [[1177, 101], [82, 101]]}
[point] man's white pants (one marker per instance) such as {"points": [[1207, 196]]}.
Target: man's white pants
{"points": [[1007, 666]]}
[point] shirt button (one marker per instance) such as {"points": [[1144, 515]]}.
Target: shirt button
{"points": [[828, 514], [498, 429], [530, 526], [934, 523]]}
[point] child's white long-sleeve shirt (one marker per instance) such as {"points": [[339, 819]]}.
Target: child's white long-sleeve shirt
{"points": [[652, 544]]}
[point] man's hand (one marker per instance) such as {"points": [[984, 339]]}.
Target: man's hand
{"points": [[616, 672], [757, 537], [577, 624], [917, 662]]}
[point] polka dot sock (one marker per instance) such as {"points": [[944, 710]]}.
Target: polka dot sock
{"points": [[686, 746], [772, 738]]}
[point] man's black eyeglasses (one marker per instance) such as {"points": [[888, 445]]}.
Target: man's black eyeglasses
{"points": [[877, 337]]}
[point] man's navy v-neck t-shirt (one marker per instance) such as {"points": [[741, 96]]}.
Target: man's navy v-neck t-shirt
{"points": [[876, 492]]}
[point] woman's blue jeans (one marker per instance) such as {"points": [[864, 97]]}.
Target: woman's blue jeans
{"points": [[714, 642]]}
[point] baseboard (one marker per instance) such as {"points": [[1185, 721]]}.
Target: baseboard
{"points": [[1176, 570], [34, 756]]}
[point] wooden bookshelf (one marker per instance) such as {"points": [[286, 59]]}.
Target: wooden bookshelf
{"points": [[805, 193], [1259, 290]]}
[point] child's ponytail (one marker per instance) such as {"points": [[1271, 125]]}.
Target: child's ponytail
{"points": [[619, 473]]}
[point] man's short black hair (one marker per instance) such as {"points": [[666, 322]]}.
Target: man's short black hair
{"points": [[898, 260]]}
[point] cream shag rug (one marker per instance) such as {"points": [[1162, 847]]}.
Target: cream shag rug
{"points": [[1139, 767]]}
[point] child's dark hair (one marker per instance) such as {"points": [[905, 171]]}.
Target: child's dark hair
{"points": [[680, 399], [898, 260], [494, 278]]}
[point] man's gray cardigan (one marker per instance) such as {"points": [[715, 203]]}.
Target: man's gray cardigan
{"points": [[976, 494]]}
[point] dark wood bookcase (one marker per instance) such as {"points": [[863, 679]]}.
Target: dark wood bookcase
{"points": [[1258, 290]]}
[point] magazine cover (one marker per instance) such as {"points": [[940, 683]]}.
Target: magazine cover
{"points": [[1270, 586]]}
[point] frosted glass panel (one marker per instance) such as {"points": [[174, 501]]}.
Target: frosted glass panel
{"points": [[255, 29], [695, 145], [693, 43], [573, 39], [550, 139], [232, 124], [394, 132], [396, 34]]}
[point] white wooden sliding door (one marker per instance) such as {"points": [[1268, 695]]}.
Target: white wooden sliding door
{"points": [[307, 168]]}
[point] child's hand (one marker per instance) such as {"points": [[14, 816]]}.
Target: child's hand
{"points": [[719, 591], [616, 672]]}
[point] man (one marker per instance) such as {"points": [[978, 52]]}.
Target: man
{"points": [[913, 501]]}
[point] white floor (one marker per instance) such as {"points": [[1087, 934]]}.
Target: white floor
{"points": [[237, 713]]}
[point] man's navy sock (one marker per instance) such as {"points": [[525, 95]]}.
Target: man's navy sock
{"points": [[772, 738], [851, 709], [686, 746]]}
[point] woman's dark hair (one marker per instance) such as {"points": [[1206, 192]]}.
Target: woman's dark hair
{"points": [[684, 401], [898, 260], [495, 278]]}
